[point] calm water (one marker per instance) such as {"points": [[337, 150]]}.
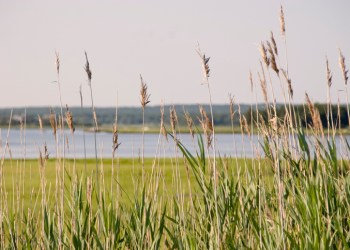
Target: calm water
{"points": [[29, 143]]}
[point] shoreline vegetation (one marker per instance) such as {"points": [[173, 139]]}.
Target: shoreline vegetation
{"points": [[293, 194], [130, 118], [154, 129]]}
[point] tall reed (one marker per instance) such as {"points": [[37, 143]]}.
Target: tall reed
{"points": [[144, 99], [94, 116]]}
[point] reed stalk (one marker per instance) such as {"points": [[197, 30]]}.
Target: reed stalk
{"points": [[94, 116], [144, 99]]}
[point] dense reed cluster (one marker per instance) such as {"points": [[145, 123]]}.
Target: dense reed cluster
{"points": [[294, 193]]}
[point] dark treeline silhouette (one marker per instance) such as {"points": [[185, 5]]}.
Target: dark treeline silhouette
{"points": [[336, 115], [133, 115], [106, 115]]}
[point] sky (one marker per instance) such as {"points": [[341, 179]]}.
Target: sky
{"points": [[158, 39]]}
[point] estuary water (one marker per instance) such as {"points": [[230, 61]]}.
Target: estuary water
{"points": [[27, 143]]}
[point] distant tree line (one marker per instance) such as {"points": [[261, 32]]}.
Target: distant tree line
{"points": [[133, 115], [106, 116], [338, 116]]}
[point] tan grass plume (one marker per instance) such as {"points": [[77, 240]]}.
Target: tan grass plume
{"points": [[273, 41], [57, 62], [205, 65], [144, 96], [263, 53], [282, 22], [343, 67], [173, 119], [87, 68], [69, 120], [273, 63], [190, 123], [116, 143]]}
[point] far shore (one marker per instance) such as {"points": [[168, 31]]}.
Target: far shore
{"points": [[155, 129]]}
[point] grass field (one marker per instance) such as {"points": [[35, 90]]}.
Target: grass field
{"points": [[22, 179]]}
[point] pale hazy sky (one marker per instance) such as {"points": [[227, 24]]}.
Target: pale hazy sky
{"points": [[157, 39]]}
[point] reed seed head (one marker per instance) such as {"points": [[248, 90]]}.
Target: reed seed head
{"points": [[87, 68], [144, 96], [282, 22], [263, 87], [244, 124], [263, 53], [273, 63], [116, 143], [273, 41], [57, 62], [205, 65], [315, 114], [173, 119], [251, 81], [43, 156], [232, 111], [273, 123], [328, 74], [69, 120], [343, 67], [46, 152], [190, 123]]}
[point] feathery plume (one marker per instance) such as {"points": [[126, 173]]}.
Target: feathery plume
{"points": [[144, 96], [57, 62], [43, 156], [189, 121], [232, 111], [273, 41], [173, 119], [244, 124], [251, 80], [205, 61], [343, 67], [273, 63], [263, 52], [282, 22], [315, 114], [116, 143], [46, 152], [69, 120], [87, 68], [263, 87], [328, 74]]}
